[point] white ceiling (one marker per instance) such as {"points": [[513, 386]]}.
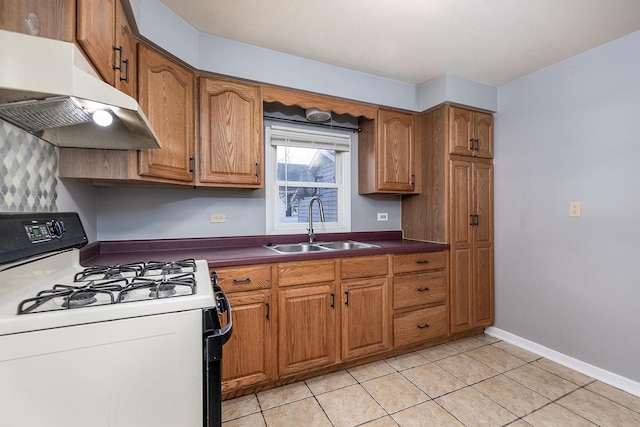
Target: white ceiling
{"points": [[489, 41]]}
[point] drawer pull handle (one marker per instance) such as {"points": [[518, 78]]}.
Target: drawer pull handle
{"points": [[346, 301], [423, 289], [240, 282], [425, 326], [333, 301], [268, 310], [423, 261]]}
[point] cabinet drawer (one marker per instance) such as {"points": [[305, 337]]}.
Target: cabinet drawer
{"points": [[366, 266], [244, 278], [406, 263], [419, 325], [419, 289], [299, 273]]}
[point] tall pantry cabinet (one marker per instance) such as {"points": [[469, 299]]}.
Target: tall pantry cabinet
{"points": [[456, 207]]}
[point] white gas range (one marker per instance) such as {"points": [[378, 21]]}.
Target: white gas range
{"points": [[107, 345]]}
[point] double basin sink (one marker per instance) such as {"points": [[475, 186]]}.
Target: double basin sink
{"points": [[292, 248]]}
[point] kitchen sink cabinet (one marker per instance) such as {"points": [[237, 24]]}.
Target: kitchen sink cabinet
{"points": [[456, 207], [386, 153], [365, 306], [51, 19], [471, 133], [307, 316], [103, 32], [166, 93], [419, 297], [231, 148], [248, 356], [306, 333]]}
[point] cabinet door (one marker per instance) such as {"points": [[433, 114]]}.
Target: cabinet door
{"points": [[51, 19], [395, 152], [95, 33], [461, 131], [166, 95], [230, 134], [461, 182], [483, 133], [248, 355], [307, 334], [365, 317], [483, 244], [126, 72]]}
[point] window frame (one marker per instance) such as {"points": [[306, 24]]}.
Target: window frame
{"points": [[342, 184]]}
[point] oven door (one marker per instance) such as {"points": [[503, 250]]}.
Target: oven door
{"points": [[139, 372]]}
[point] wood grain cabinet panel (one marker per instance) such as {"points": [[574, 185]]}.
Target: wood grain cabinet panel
{"points": [[249, 353], [420, 289], [166, 95], [231, 148], [95, 33], [52, 19], [244, 278], [471, 133], [421, 261], [419, 325], [306, 332], [357, 267], [305, 272], [386, 153]]}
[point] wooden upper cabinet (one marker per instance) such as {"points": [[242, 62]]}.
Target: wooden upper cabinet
{"points": [[471, 133], [386, 154], [95, 33], [231, 153], [52, 19], [166, 95], [126, 63], [103, 32]]}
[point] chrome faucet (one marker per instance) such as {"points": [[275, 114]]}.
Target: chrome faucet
{"points": [[312, 235]]}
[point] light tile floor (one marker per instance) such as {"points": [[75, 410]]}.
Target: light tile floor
{"points": [[477, 381]]}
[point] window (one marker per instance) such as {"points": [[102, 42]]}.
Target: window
{"points": [[301, 164]]}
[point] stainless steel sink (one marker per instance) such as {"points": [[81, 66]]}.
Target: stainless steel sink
{"points": [[296, 248], [292, 248], [346, 245]]}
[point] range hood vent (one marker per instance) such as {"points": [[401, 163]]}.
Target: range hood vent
{"points": [[49, 89]]}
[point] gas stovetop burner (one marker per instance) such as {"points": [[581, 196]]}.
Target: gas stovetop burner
{"points": [[170, 267], [159, 287], [110, 272], [71, 296], [79, 299], [162, 290]]}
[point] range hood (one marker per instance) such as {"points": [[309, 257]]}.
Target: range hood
{"points": [[49, 89]]}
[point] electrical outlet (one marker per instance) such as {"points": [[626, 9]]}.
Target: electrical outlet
{"points": [[383, 216], [214, 218], [574, 209]]}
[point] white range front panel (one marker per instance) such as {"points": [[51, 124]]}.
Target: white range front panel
{"points": [[136, 372]]}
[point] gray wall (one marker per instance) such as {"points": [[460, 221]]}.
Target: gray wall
{"points": [[570, 133], [152, 213]]}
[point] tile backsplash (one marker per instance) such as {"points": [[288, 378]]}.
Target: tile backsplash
{"points": [[28, 168]]}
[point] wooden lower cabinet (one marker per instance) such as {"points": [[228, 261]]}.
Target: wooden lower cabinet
{"points": [[365, 317], [307, 319], [249, 355], [420, 295]]}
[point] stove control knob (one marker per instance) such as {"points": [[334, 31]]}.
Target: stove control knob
{"points": [[56, 228]]}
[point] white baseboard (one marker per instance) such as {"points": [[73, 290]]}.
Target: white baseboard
{"points": [[599, 374]]}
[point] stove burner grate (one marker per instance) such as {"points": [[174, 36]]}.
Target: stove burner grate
{"points": [[75, 296], [170, 267], [162, 287], [104, 272]]}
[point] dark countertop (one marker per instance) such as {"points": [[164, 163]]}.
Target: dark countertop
{"points": [[228, 251]]}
